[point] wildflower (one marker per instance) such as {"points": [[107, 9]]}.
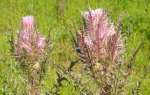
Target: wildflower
{"points": [[29, 50], [99, 36], [29, 40]]}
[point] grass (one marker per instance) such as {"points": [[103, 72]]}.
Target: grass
{"points": [[135, 27]]}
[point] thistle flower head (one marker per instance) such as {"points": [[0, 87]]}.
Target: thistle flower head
{"points": [[97, 25], [29, 40], [99, 36], [28, 23]]}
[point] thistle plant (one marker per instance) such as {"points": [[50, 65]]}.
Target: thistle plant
{"points": [[100, 47], [30, 51]]}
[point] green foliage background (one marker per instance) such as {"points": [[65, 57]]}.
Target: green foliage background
{"points": [[136, 28]]}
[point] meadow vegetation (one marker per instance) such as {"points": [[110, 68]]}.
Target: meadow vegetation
{"points": [[61, 19]]}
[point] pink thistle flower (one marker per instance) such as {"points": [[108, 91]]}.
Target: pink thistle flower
{"points": [[98, 26], [29, 40], [100, 36], [28, 23]]}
